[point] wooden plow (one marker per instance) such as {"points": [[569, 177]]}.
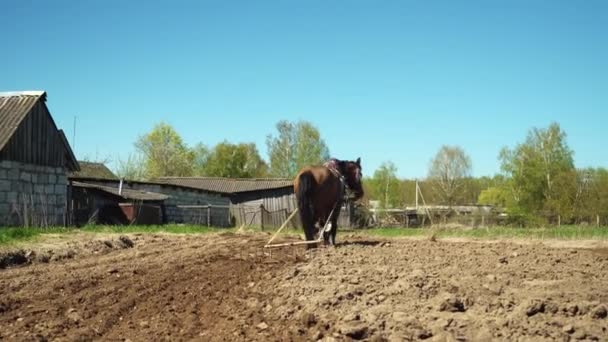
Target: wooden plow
{"points": [[326, 227]]}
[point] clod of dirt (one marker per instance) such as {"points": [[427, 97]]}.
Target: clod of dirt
{"points": [[309, 320], [108, 243], [568, 329], [127, 243], [73, 316], [43, 258], [13, 258], [600, 312], [262, 326], [534, 308], [316, 336], [452, 304], [423, 334], [354, 330], [503, 260]]}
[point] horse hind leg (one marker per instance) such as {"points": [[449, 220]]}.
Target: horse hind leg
{"points": [[334, 227], [303, 193]]}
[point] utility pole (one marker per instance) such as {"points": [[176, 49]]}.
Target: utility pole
{"points": [[74, 136], [417, 194]]}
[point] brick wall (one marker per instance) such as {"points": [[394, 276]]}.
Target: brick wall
{"points": [[32, 195]]}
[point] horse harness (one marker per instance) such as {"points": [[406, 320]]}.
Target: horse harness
{"points": [[332, 166]]}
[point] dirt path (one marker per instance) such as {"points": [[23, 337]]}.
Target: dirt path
{"points": [[225, 287]]}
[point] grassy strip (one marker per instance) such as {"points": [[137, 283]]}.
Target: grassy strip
{"points": [[169, 228], [9, 235], [12, 235], [560, 233]]}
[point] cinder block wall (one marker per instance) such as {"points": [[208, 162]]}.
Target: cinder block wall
{"points": [[32, 195]]}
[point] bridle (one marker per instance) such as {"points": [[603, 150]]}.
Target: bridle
{"points": [[332, 166]]}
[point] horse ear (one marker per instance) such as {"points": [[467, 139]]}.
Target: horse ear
{"points": [[358, 161]]}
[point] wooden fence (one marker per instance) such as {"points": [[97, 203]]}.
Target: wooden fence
{"points": [[259, 216]]}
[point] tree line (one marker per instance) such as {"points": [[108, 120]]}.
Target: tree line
{"points": [[537, 182], [163, 153]]}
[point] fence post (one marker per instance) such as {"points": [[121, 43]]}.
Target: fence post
{"points": [[597, 220], [209, 215], [262, 217], [559, 220]]}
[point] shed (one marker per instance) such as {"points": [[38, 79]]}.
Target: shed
{"points": [[94, 203], [257, 201], [35, 158], [184, 205]]}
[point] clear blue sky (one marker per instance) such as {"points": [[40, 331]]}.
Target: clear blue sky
{"points": [[383, 80]]}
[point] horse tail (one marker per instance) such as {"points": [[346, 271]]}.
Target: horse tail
{"points": [[303, 193]]}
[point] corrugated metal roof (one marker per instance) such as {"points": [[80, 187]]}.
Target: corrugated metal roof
{"points": [[228, 185], [126, 193], [14, 107], [93, 170]]}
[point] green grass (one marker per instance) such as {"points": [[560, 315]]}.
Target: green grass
{"points": [[562, 233], [10, 235], [169, 228], [13, 235]]}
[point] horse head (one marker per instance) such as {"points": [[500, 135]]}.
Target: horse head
{"points": [[351, 171]]}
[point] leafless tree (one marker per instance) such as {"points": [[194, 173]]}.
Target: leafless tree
{"points": [[448, 171]]}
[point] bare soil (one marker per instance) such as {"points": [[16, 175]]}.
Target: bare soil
{"points": [[221, 287]]}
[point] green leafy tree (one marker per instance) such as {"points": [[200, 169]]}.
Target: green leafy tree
{"points": [[498, 196], [541, 171], [164, 153], [448, 172], [384, 185], [234, 161], [591, 195], [131, 168], [296, 145], [201, 156]]}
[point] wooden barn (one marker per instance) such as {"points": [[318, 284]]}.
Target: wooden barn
{"points": [[260, 202], [35, 158], [93, 203]]}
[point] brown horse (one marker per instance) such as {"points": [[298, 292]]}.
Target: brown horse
{"points": [[320, 191]]}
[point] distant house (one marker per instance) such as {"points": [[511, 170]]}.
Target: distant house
{"points": [[35, 158]]}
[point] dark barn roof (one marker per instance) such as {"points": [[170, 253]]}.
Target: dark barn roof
{"points": [[21, 114], [228, 185], [14, 107], [127, 194], [93, 170]]}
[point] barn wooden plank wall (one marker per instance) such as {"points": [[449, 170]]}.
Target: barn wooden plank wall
{"points": [[271, 212], [36, 141]]}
